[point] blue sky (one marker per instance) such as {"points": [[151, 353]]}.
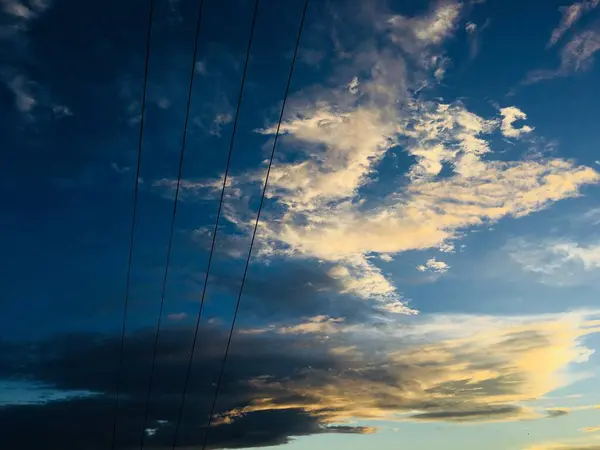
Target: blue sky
{"points": [[425, 271]]}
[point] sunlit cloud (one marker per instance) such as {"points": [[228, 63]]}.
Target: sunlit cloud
{"points": [[509, 116], [335, 138], [443, 368], [343, 139]]}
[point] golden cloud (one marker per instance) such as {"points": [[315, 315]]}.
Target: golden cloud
{"points": [[471, 369]]}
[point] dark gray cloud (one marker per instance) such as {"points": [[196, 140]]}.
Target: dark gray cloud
{"points": [[88, 362], [293, 289], [495, 412]]}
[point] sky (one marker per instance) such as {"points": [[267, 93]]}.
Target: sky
{"points": [[425, 271]]}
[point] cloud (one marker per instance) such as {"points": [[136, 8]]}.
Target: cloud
{"points": [[447, 247], [22, 90], [29, 94], [509, 116], [554, 413], [303, 289], [19, 393], [571, 15], [317, 324], [218, 122], [201, 68], [559, 446], [579, 51], [590, 429], [420, 37], [195, 189], [592, 216], [176, 316], [474, 32], [341, 144], [559, 262], [433, 265], [336, 137], [431, 28], [452, 380], [22, 11], [298, 379], [575, 56]]}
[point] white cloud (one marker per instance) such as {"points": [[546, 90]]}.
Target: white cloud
{"points": [[557, 262], [447, 247], [509, 116], [571, 15], [588, 255], [443, 133], [385, 257], [433, 265]]}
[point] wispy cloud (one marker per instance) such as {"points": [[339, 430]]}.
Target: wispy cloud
{"points": [[420, 37], [176, 316], [474, 32], [557, 261], [570, 16], [431, 28], [219, 122], [22, 90], [575, 56]]}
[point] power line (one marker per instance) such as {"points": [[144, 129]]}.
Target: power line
{"points": [[237, 306], [133, 220], [216, 226], [174, 213]]}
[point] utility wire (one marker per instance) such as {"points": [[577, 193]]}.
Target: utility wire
{"points": [[237, 306], [133, 221], [174, 214], [216, 226]]}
